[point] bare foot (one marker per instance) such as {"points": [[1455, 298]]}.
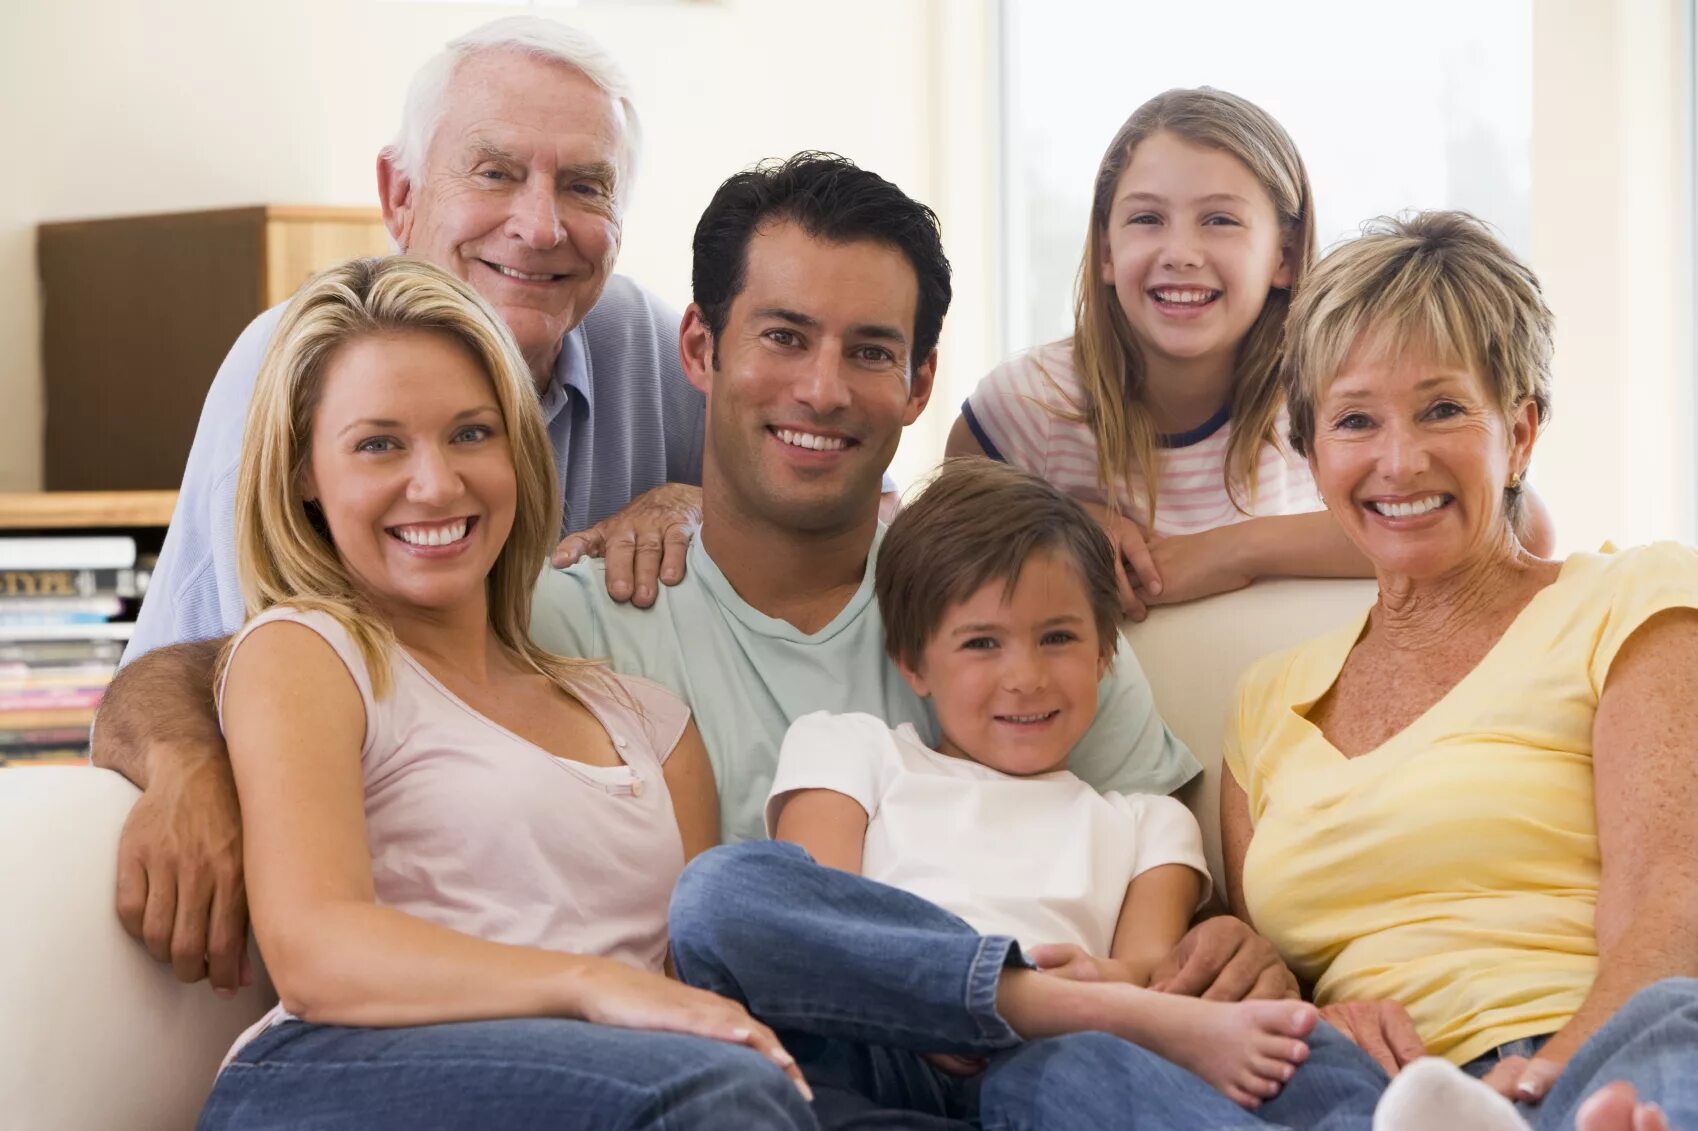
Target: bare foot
{"points": [[1616, 1107], [1246, 1049]]}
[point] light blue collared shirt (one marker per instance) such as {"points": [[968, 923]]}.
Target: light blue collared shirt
{"points": [[621, 416]]}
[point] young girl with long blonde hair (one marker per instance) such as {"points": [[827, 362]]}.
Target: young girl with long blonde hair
{"points": [[1163, 412]]}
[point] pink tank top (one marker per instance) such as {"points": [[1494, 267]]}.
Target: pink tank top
{"points": [[476, 829]]}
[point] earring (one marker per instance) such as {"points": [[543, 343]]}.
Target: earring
{"points": [[1515, 481]]}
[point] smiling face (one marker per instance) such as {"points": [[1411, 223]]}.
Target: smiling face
{"points": [[1412, 456], [811, 382], [518, 195], [409, 462], [1014, 677], [1192, 247]]}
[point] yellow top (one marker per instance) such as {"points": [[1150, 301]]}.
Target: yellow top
{"points": [[1454, 868]]}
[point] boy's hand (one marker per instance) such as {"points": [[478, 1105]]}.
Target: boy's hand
{"points": [[1065, 960]]}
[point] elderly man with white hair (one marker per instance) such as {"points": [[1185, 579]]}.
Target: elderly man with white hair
{"points": [[512, 168]]}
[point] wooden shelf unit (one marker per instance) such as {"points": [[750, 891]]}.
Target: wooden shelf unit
{"points": [[138, 313], [141, 515], [65, 510]]}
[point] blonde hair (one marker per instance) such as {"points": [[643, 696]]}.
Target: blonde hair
{"points": [[1106, 356], [284, 553], [1434, 282]]}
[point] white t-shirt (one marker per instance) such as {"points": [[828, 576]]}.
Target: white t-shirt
{"points": [[1020, 414], [1046, 859]]}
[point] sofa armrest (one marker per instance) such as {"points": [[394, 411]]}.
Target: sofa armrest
{"points": [[94, 1034]]}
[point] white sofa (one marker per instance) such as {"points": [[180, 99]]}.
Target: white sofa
{"points": [[95, 1035]]}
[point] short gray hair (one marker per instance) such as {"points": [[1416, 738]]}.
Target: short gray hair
{"points": [[537, 37]]}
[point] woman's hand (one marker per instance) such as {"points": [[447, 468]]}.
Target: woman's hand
{"points": [[1134, 568], [1382, 1029], [1523, 1079], [627, 998]]}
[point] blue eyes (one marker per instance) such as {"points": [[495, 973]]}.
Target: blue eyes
{"points": [[1357, 421], [467, 434]]}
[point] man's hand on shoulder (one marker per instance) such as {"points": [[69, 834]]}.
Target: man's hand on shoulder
{"points": [[644, 544], [1223, 959], [180, 888]]}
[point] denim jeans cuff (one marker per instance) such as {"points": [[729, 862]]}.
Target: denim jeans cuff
{"points": [[996, 953]]}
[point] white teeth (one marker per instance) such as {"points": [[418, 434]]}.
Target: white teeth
{"points": [[512, 274], [1028, 718], [809, 440], [1183, 296], [1409, 510], [443, 535]]}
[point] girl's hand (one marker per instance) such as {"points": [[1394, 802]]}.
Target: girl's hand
{"points": [[1199, 565], [1066, 960], [635, 999], [1134, 568]]}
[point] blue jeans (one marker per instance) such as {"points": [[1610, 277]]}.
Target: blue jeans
{"points": [[512, 1075], [859, 979]]}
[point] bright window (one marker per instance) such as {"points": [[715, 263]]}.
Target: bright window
{"points": [[1392, 106]]}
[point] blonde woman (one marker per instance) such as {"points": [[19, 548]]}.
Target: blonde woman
{"points": [[459, 848], [1468, 818]]}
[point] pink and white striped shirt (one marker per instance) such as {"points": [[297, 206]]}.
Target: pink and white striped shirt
{"points": [[1020, 413]]}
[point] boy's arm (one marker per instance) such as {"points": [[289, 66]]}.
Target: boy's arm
{"points": [[831, 826], [1153, 918]]}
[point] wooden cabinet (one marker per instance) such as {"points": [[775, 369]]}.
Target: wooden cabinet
{"points": [[139, 311]]}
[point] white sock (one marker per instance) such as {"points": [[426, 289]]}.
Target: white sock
{"points": [[1435, 1095]]}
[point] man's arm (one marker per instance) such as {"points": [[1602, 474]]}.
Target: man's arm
{"points": [[159, 706], [180, 887]]}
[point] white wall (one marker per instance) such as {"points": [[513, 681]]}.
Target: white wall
{"points": [[119, 106], [125, 106]]}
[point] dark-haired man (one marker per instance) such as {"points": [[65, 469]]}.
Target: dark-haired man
{"points": [[820, 290]]}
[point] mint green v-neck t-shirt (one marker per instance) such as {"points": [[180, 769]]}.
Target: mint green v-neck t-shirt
{"points": [[748, 676]]}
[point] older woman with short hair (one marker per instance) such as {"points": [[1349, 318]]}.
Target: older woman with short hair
{"points": [[1468, 819]]}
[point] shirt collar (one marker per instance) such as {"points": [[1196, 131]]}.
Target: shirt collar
{"points": [[571, 374]]}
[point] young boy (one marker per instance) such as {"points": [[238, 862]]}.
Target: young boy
{"points": [[985, 857]]}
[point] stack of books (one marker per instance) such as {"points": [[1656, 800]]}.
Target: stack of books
{"points": [[67, 605]]}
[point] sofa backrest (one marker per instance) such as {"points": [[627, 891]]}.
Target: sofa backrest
{"points": [[1194, 654]]}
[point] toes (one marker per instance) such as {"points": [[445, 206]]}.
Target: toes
{"points": [[1610, 1108], [1272, 1068], [1650, 1117]]}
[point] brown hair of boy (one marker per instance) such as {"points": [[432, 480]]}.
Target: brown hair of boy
{"points": [[977, 522]]}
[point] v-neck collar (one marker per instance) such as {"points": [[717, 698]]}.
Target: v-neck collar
{"points": [[1333, 651]]}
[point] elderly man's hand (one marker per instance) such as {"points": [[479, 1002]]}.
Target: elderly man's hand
{"points": [[180, 888], [645, 543], [1222, 959], [1382, 1029]]}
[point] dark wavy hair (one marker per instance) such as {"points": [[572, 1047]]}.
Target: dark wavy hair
{"points": [[831, 199]]}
